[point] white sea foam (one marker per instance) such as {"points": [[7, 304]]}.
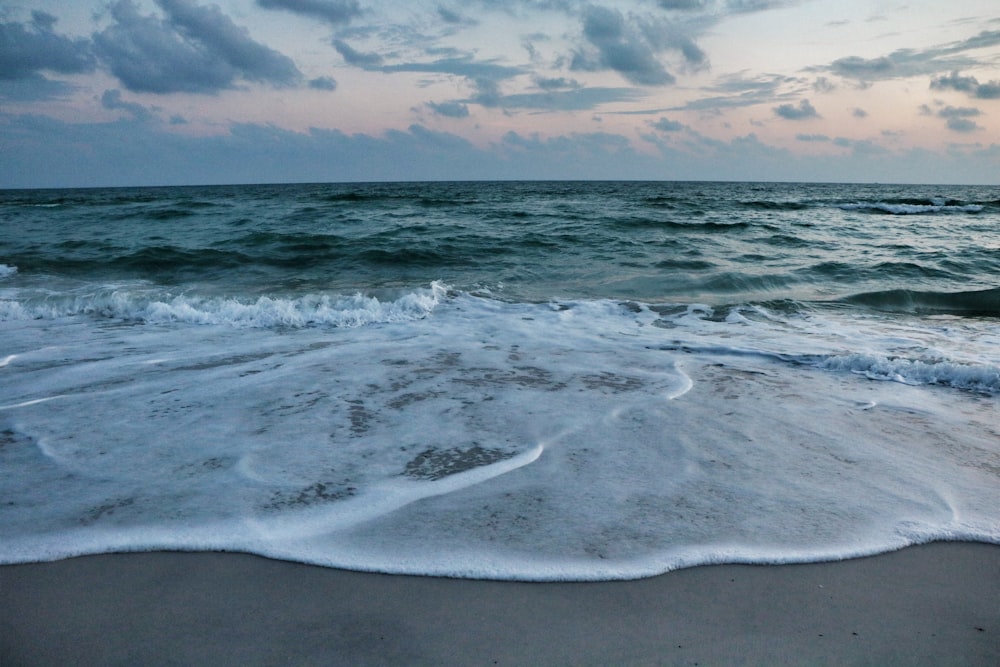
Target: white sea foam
{"points": [[473, 437], [6, 271], [139, 303], [975, 377]]}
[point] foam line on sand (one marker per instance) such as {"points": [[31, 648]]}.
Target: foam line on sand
{"points": [[936, 604]]}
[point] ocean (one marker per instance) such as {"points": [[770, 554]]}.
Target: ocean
{"points": [[526, 381]]}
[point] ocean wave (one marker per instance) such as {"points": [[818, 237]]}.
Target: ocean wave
{"points": [[913, 207], [685, 224], [980, 378], [983, 303], [765, 205], [6, 271], [265, 312]]}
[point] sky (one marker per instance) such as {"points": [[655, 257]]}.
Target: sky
{"points": [[170, 92]]}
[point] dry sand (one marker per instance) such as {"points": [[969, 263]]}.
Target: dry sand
{"points": [[937, 604]]}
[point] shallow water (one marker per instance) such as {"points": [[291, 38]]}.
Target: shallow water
{"points": [[517, 381]]}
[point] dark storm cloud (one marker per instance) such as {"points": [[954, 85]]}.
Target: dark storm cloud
{"points": [[620, 48], [28, 50], [331, 11], [804, 111], [193, 48], [967, 84]]}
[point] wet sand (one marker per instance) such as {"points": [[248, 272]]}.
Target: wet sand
{"points": [[936, 604]]}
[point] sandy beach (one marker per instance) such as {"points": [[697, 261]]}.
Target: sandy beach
{"points": [[936, 604]]}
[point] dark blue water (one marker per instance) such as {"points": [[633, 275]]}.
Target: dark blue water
{"points": [[660, 242]]}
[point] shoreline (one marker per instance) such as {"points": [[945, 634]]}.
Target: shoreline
{"points": [[932, 604]]}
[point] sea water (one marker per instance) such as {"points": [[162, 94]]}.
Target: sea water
{"points": [[534, 381]]}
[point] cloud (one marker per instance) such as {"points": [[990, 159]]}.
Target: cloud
{"points": [[988, 91], [323, 83], [112, 99], [192, 49], [739, 90], [331, 11], [824, 85], [484, 76], [556, 83], [44, 152], [453, 17], [856, 67], [667, 125], [955, 81], [804, 111], [487, 92], [28, 50], [967, 84], [682, 5], [957, 118], [962, 125], [460, 66], [449, 109], [35, 88], [723, 7], [619, 48], [812, 137], [858, 112], [572, 99], [354, 57], [959, 112], [904, 63], [747, 6]]}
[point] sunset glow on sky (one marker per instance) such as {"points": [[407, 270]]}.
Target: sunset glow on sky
{"points": [[135, 92]]}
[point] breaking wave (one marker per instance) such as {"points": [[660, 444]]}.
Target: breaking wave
{"points": [[984, 303], [914, 206], [264, 312]]}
